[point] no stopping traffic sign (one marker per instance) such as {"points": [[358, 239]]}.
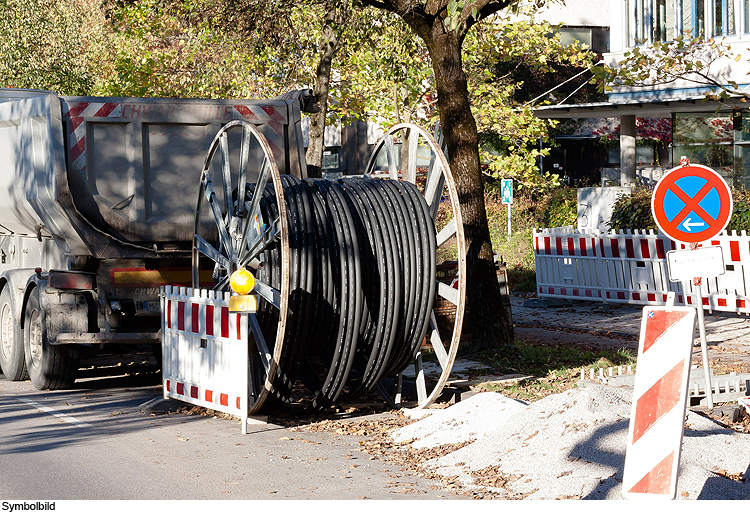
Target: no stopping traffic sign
{"points": [[691, 204]]}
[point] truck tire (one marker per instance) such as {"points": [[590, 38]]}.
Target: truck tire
{"points": [[49, 366], [12, 358]]}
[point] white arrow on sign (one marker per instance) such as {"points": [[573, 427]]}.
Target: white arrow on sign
{"points": [[687, 224]]}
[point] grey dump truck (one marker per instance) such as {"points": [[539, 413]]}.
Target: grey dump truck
{"points": [[97, 205]]}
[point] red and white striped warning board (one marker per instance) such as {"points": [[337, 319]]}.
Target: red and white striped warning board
{"points": [[659, 401]]}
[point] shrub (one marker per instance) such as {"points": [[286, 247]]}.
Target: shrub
{"points": [[633, 211]]}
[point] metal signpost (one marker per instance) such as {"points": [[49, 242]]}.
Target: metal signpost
{"points": [[692, 204], [506, 193]]}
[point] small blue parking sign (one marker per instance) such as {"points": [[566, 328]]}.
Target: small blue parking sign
{"points": [[506, 189]]}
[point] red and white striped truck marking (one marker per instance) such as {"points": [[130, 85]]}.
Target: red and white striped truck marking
{"points": [[78, 113], [659, 400]]}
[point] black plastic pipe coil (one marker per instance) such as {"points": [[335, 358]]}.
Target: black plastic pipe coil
{"points": [[362, 284]]}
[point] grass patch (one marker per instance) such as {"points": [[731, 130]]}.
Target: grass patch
{"points": [[553, 369]]}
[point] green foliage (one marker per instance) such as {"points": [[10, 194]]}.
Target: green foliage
{"points": [[554, 209], [494, 55], [633, 211], [740, 220], [53, 45]]}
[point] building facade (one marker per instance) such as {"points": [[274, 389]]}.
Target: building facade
{"points": [[709, 132]]}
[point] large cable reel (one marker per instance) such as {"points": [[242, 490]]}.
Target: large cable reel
{"points": [[345, 270], [397, 156]]}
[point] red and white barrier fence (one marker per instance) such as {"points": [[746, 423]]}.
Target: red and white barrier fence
{"points": [[631, 267], [205, 351]]}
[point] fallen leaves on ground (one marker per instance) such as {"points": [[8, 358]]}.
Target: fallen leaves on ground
{"points": [[377, 443]]}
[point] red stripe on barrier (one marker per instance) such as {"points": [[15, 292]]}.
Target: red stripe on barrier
{"points": [[180, 315], [571, 247], [239, 328], [239, 402], [169, 314], [657, 401], [582, 245], [210, 395], [169, 384], [194, 392], [629, 248], [546, 246], [740, 303], [224, 400], [558, 245], [658, 325], [660, 249], [563, 291], [181, 389], [615, 248], [722, 302], [224, 321], [651, 297], [734, 250], [194, 315], [621, 295], [645, 251], [658, 480], [636, 296], [536, 245], [210, 319], [715, 242], [705, 301]]}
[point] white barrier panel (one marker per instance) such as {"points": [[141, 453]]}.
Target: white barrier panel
{"points": [[660, 397], [631, 267], [205, 351]]}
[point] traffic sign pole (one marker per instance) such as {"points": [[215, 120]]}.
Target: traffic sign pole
{"points": [[506, 197]]}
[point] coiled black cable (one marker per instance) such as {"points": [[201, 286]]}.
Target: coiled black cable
{"points": [[362, 283]]}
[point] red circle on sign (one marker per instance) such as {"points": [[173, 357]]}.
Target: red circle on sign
{"points": [[691, 222]]}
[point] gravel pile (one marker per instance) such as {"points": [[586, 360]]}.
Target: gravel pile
{"points": [[571, 445]]}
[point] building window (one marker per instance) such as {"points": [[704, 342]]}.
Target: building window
{"points": [[707, 139], [663, 13], [723, 13], [694, 17]]}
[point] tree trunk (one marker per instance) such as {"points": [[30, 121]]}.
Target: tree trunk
{"points": [[314, 154], [483, 302]]}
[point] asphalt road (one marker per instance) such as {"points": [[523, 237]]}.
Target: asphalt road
{"points": [[95, 443]]}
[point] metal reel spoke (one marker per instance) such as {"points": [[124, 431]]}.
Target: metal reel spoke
{"points": [[238, 231], [422, 162]]}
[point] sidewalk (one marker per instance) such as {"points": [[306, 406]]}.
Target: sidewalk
{"points": [[618, 325]]}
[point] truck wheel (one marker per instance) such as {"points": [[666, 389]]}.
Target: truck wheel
{"points": [[12, 359], [49, 366]]}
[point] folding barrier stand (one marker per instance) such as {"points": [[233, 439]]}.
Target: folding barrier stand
{"points": [[205, 351]]}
